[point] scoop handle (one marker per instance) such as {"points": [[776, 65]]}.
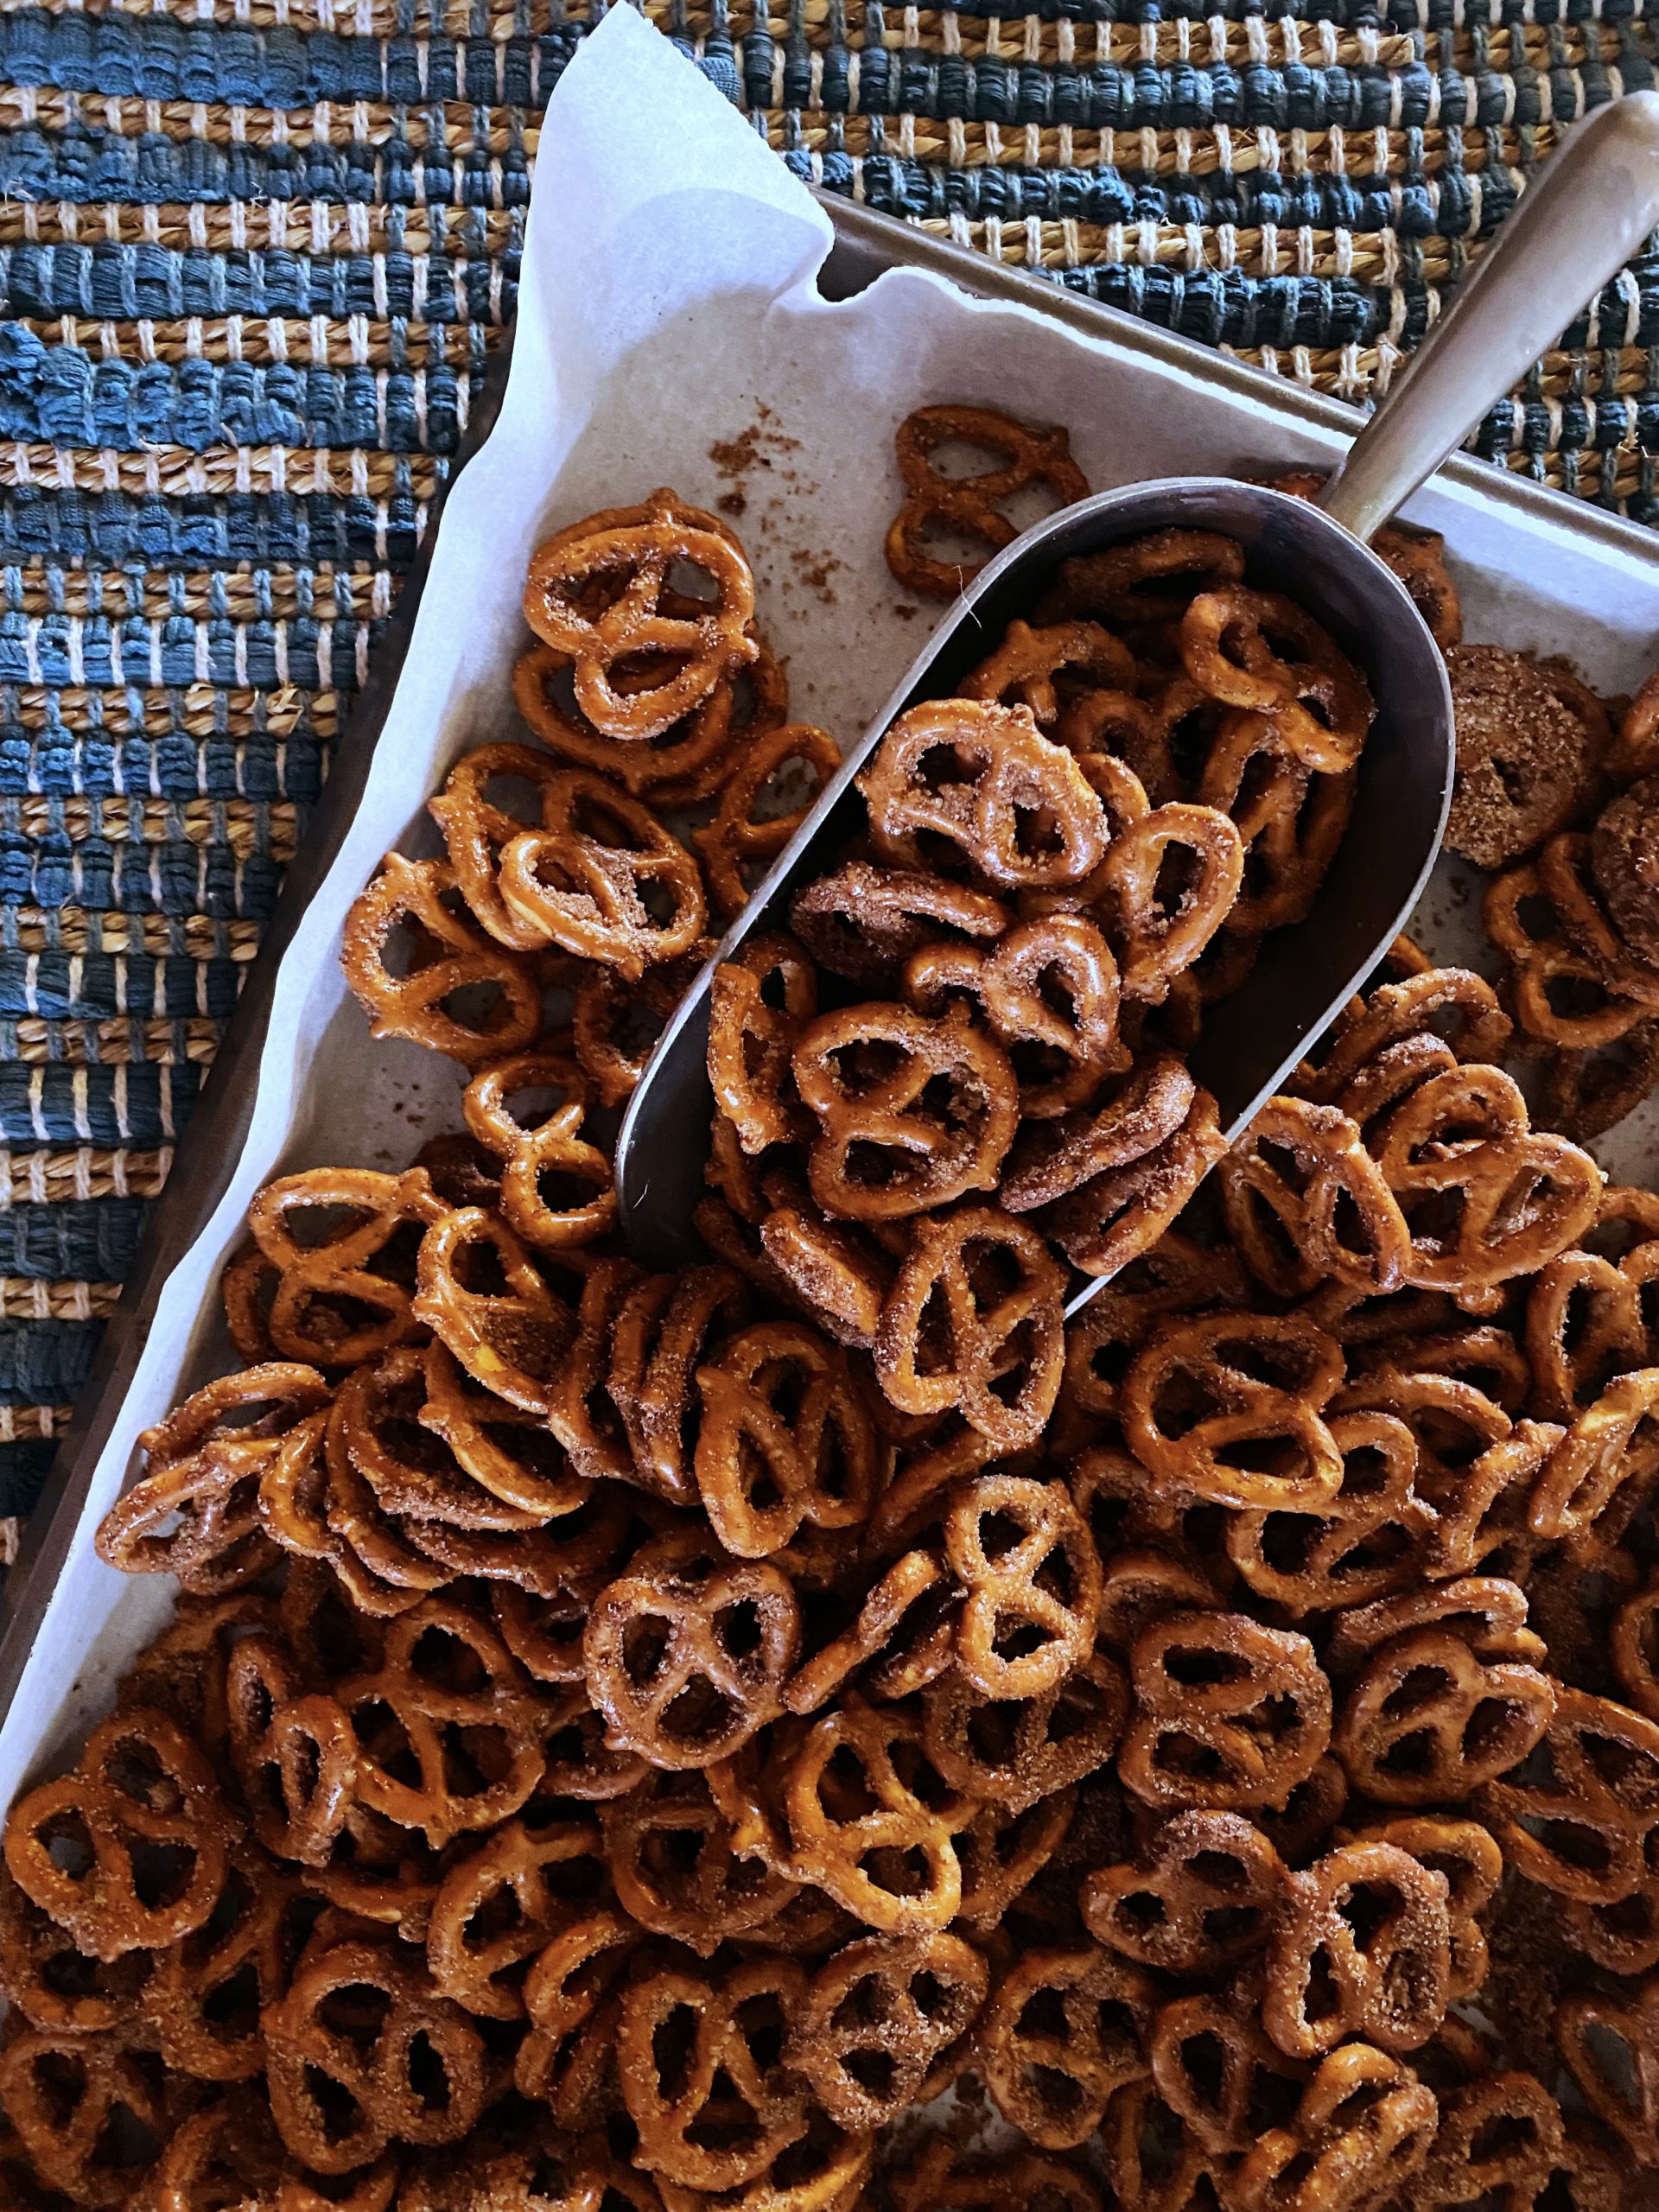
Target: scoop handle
{"points": [[1591, 207]]}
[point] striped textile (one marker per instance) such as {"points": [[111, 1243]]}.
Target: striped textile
{"points": [[254, 253]]}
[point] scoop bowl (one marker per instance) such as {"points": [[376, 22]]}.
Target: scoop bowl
{"points": [[1305, 974]]}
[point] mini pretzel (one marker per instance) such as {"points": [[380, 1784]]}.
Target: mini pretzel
{"points": [[536, 1152], [1420, 1005], [581, 879], [785, 1439], [580, 1410], [1204, 1894], [1585, 1828], [1152, 2157], [882, 1845], [973, 1310], [66, 2097], [1061, 2033], [735, 840], [1002, 1851], [1013, 1754], [1586, 1093], [1612, 2049], [1611, 1444], [451, 955], [1032, 1602], [716, 2117], [636, 555], [1022, 670], [509, 1340], [507, 1451], [1369, 1924], [1448, 1697], [1367, 1542], [569, 1990], [1568, 879], [1585, 1325], [882, 2025], [294, 1755], [1559, 991], [1049, 993], [449, 1731], [203, 1465], [864, 922], [1291, 822], [1290, 1228], [410, 1471], [1115, 1218], [1152, 577], [499, 1908], [938, 2176], [139, 1784], [1213, 2066], [1521, 1197], [475, 829], [344, 1296], [659, 1337], [1501, 2137], [758, 1003], [1130, 1122], [883, 1150], [1228, 1715], [206, 1993], [686, 1659], [969, 505], [53, 1985], [676, 1871], [1466, 1855], [615, 1022], [1364, 2125], [1158, 941], [1242, 1380], [1228, 639], [370, 2073], [838, 1273], [1017, 808]]}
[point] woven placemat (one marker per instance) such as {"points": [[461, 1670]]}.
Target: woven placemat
{"points": [[253, 254]]}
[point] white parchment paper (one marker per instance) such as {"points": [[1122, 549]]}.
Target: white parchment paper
{"points": [[669, 331]]}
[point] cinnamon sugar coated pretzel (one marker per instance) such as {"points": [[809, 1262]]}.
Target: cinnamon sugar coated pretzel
{"points": [[631, 1742]]}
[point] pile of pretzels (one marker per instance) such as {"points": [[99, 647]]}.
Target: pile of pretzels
{"points": [[633, 1742]]}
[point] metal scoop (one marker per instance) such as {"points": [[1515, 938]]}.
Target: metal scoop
{"points": [[1590, 210]]}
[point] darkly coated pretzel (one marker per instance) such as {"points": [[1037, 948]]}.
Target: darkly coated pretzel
{"points": [[1205, 1892], [968, 506], [1061, 2033]]}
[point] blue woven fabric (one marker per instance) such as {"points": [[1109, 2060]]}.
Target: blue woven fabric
{"points": [[236, 250]]}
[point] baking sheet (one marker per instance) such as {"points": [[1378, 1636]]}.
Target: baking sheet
{"points": [[671, 331]]}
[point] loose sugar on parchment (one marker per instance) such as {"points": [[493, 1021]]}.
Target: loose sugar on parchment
{"points": [[763, 448]]}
